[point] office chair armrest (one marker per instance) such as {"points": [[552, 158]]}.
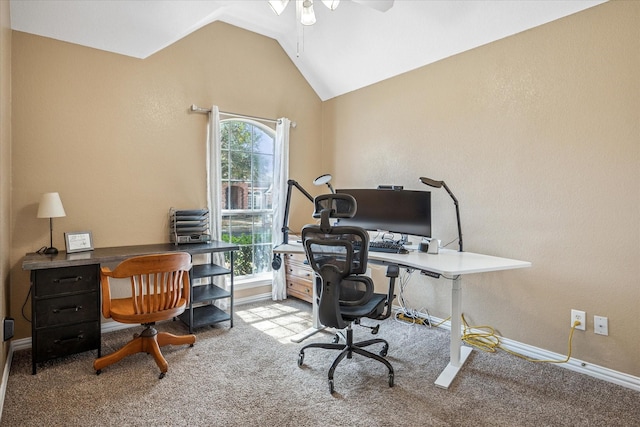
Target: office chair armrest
{"points": [[393, 270]]}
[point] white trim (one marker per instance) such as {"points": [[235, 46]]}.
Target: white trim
{"points": [[5, 377], [576, 365], [253, 282]]}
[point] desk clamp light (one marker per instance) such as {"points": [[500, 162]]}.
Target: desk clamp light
{"points": [[321, 180], [438, 184]]}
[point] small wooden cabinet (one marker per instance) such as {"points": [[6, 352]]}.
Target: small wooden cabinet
{"points": [[299, 277], [66, 312]]}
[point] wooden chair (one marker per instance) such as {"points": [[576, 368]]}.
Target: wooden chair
{"points": [[159, 291]]}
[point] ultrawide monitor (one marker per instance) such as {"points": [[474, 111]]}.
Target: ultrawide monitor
{"points": [[395, 211]]}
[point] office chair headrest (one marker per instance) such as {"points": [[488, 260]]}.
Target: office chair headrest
{"points": [[339, 205]]}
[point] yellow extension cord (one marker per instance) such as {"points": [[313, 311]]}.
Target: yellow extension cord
{"points": [[489, 341]]}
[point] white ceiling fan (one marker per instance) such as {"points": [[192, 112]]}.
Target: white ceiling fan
{"points": [[305, 15]]}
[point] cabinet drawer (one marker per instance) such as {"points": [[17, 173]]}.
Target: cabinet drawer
{"points": [[300, 258], [299, 288], [65, 340], [68, 309], [302, 271], [55, 281]]}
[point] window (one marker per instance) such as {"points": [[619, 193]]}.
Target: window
{"points": [[247, 182]]}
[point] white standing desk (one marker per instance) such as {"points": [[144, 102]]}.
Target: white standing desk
{"points": [[449, 264]]}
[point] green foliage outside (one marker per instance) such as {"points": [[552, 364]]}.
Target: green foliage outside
{"points": [[252, 256]]}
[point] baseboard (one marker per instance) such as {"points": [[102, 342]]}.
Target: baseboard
{"points": [[5, 376], [576, 365]]}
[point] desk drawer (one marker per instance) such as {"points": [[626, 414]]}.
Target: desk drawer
{"points": [[65, 340], [299, 270], [65, 310], [299, 288], [299, 258], [56, 281]]}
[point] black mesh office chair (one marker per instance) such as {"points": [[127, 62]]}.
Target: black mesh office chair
{"points": [[338, 254]]}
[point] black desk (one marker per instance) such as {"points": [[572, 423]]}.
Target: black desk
{"points": [[65, 300]]}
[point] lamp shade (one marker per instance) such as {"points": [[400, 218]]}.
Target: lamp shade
{"points": [[331, 4], [278, 5], [50, 206], [308, 17]]}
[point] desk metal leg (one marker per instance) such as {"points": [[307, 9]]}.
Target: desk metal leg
{"points": [[458, 353], [317, 327]]}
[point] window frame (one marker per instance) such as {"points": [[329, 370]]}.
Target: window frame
{"points": [[227, 213]]}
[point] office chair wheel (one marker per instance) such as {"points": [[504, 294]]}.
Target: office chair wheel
{"points": [[331, 389], [161, 376], [391, 379], [99, 371], [336, 339], [384, 350], [300, 358]]}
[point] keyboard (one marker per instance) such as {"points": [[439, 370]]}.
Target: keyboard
{"points": [[384, 246]]}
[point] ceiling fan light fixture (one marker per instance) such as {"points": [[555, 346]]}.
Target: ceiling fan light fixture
{"points": [[278, 6], [331, 4], [308, 17]]}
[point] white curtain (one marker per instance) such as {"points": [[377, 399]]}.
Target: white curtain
{"points": [[214, 188], [280, 178]]}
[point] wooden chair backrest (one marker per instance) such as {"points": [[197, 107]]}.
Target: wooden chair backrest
{"points": [[158, 282]]}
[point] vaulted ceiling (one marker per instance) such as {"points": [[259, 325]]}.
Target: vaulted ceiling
{"points": [[348, 48]]}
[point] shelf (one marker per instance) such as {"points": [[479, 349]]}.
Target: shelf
{"points": [[208, 270], [209, 292], [205, 315]]}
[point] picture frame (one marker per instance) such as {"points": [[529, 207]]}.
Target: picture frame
{"points": [[78, 241]]}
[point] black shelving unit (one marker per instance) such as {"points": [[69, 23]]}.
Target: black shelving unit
{"points": [[202, 311]]}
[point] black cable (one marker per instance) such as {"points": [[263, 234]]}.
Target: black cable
{"points": [[25, 303]]}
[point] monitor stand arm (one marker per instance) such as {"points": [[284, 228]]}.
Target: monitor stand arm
{"points": [[285, 226]]}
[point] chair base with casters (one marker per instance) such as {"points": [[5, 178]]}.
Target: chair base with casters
{"points": [[148, 341], [347, 351]]}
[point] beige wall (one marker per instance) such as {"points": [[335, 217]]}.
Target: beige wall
{"points": [[5, 164], [113, 136], [538, 136]]}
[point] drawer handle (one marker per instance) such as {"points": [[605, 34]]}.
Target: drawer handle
{"points": [[65, 340], [68, 279], [74, 308]]}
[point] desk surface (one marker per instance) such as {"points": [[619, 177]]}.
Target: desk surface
{"points": [[447, 262], [35, 261]]}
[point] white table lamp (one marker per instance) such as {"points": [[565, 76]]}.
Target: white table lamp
{"points": [[50, 207]]}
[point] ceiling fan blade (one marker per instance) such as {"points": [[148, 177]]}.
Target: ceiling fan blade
{"points": [[381, 5]]}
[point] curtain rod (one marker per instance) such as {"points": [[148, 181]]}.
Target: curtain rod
{"points": [[194, 108]]}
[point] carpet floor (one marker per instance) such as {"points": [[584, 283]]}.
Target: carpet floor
{"points": [[248, 375]]}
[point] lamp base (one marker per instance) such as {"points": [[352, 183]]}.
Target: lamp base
{"points": [[51, 251]]}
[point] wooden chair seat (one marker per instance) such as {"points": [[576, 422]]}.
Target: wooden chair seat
{"points": [[122, 312]]}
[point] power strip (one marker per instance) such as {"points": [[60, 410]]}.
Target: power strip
{"points": [[410, 319]]}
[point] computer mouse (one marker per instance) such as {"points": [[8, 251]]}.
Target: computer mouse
{"points": [[403, 251]]}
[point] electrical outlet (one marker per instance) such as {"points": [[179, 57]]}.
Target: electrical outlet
{"points": [[600, 325], [580, 316]]}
